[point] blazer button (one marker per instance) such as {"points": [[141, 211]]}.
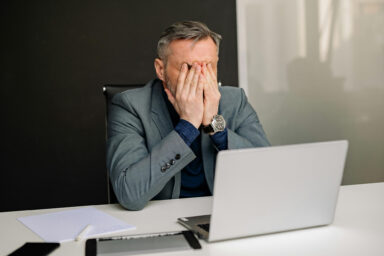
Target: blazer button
{"points": [[177, 157], [168, 165], [172, 162], [163, 169]]}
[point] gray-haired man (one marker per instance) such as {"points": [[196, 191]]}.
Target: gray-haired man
{"points": [[163, 138]]}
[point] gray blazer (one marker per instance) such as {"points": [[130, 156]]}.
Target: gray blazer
{"points": [[141, 140]]}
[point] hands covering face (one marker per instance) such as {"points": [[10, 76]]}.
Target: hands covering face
{"points": [[197, 95]]}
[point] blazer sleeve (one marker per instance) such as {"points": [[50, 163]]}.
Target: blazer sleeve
{"points": [[138, 174], [247, 131]]}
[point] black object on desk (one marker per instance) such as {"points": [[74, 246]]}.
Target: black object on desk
{"points": [[138, 244], [35, 249]]}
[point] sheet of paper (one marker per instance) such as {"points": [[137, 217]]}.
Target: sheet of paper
{"points": [[66, 225]]}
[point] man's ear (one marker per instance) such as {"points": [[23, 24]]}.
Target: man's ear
{"points": [[160, 69]]}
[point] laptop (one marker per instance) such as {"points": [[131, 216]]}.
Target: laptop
{"points": [[272, 189]]}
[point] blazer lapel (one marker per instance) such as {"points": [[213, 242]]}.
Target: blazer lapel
{"points": [[160, 114], [163, 122]]}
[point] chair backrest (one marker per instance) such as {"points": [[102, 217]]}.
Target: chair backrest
{"points": [[109, 91]]}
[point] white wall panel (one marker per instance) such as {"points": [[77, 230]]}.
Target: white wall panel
{"points": [[314, 71]]}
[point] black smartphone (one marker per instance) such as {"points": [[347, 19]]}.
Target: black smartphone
{"points": [[35, 249]]}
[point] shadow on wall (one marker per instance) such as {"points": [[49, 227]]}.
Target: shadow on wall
{"points": [[331, 107], [315, 72]]}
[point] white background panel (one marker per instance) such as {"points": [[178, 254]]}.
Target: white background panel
{"points": [[314, 71]]}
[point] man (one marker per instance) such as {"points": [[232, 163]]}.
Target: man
{"points": [[163, 138]]}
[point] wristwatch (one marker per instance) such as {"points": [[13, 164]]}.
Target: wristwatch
{"points": [[217, 125]]}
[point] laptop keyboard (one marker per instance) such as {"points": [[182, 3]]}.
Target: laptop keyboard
{"points": [[204, 226]]}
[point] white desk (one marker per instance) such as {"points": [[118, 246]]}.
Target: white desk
{"points": [[358, 228]]}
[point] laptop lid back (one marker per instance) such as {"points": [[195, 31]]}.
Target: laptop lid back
{"points": [[273, 189]]}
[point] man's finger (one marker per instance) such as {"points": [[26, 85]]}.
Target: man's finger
{"points": [[207, 75], [181, 78], [211, 72], [200, 86], [205, 68], [195, 81], [188, 80], [206, 71], [206, 84], [211, 76]]}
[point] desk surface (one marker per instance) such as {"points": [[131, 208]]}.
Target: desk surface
{"points": [[358, 228]]}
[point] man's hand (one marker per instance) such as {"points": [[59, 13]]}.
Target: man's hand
{"points": [[211, 94], [188, 98]]}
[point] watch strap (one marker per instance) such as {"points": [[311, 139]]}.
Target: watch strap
{"points": [[208, 129]]}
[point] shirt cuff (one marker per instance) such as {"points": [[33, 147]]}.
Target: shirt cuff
{"points": [[220, 139], [187, 131]]}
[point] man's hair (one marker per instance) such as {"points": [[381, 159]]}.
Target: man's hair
{"points": [[185, 30]]}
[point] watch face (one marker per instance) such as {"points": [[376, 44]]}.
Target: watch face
{"points": [[218, 123]]}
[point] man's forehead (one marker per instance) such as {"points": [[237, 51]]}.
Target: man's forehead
{"points": [[191, 51]]}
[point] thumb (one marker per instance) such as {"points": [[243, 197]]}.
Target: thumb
{"points": [[170, 96]]}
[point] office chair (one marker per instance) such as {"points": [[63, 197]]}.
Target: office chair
{"points": [[109, 91]]}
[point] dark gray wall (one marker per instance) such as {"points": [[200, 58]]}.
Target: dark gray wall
{"points": [[55, 56]]}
